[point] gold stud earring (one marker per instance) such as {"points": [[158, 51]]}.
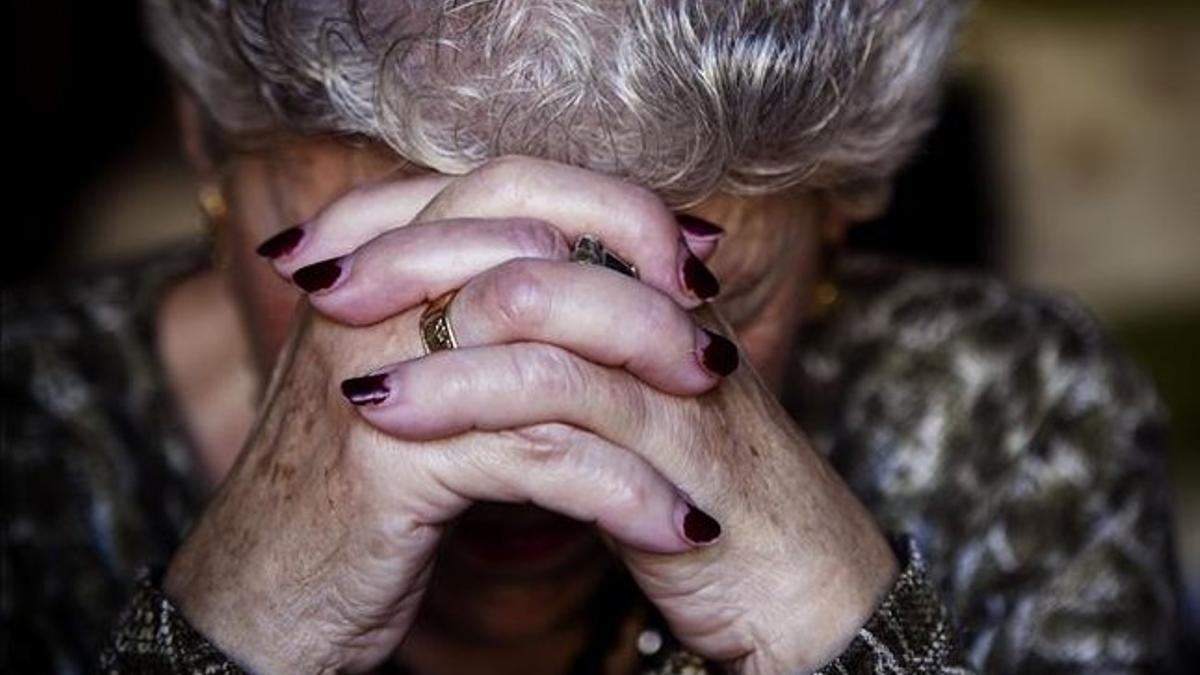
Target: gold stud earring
{"points": [[214, 210], [825, 293], [825, 296], [212, 202]]}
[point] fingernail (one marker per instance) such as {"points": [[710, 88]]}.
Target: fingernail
{"points": [[719, 356], [699, 527], [699, 228], [698, 279], [366, 390], [318, 276], [281, 244]]}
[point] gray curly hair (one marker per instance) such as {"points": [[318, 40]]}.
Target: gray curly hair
{"points": [[686, 97]]}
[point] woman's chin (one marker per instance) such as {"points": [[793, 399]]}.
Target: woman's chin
{"points": [[507, 572]]}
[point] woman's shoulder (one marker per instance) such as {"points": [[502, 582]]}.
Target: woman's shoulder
{"points": [[936, 359], [941, 332], [96, 463], [80, 355], [116, 299], [927, 308], [82, 349], [1007, 432]]}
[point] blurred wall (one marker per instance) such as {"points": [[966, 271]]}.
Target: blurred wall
{"points": [[1096, 133], [1099, 134], [85, 95]]}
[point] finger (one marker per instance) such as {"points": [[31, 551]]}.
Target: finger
{"points": [[351, 221], [511, 386], [629, 219], [572, 472], [606, 318], [411, 265]]}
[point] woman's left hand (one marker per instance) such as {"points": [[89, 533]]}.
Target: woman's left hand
{"points": [[791, 565], [798, 566]]}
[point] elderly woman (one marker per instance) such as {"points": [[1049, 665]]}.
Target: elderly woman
{"points": [[404, 428]]}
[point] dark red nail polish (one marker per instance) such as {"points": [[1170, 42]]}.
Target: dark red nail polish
{"points": [[699, 527], [699, 280], [699, 227], [366, 389], [281, 244], [719, 356], [318, 276]]}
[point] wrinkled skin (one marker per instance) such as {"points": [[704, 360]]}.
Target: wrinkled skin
{"points": [[318, 550]]}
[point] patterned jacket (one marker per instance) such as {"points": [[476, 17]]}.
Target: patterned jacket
{"points": [[1016, 454]]}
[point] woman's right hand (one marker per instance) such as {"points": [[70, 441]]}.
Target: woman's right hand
{"points": [[314, 554], [316, 551]]}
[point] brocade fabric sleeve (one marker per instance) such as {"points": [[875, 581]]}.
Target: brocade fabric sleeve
{"points": [[1008, 434], [96, 470], [911, 632], [152, 637]]}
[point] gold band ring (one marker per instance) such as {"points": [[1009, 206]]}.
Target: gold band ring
{"points": [[436, 332]]}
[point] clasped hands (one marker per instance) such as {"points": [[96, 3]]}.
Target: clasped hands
{"points": [[589, 393]]}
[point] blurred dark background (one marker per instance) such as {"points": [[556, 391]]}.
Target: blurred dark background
{"points": [[86, 92], [1067, 156], [93, 99]]}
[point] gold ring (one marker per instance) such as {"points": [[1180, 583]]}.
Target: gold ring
{"points": [[589, 250], [436, 333]]}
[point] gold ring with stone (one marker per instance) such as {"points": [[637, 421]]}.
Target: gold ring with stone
{"points": [[588, 249], [436, 332]]}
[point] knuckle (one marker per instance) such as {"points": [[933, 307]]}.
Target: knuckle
{"points": [[622, 482], [517, 296], [537, 238], [541, 444], [551, 370], [546, 434], [661, 316], [642, 198], [505, 179], [629, 496], [645, 206]]}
